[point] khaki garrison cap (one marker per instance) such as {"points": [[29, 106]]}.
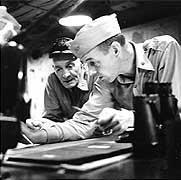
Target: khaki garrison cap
{"points": [[94, 33]]}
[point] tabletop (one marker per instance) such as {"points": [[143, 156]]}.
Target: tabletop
{"points": [[127, 168]]}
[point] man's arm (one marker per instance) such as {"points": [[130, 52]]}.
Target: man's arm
{"points": [[83, 126], [165, 54], [171, 61]]}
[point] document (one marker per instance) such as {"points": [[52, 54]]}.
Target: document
{"points": [[96, 164], [80, 155]]}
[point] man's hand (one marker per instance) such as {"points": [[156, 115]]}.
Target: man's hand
{"points": [[39, 123], [116, 120], [36, 136]]}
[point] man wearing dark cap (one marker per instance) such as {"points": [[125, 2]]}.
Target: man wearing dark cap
{"points": [[69, 85]]}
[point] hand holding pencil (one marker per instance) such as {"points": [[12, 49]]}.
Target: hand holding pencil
{"points": [[33, 136], [111, 120]]}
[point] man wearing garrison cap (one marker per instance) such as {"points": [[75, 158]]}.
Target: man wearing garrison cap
{"points": [[123, 67]]}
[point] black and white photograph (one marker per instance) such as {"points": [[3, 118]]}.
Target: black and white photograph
{"points": [[90, 89]]}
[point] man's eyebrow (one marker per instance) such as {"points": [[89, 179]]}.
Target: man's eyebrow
{"points": [[69, 62], [57, 66], [88, 59]]}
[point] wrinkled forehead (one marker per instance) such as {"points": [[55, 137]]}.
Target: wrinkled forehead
{"points": [[90, 55], [64, 62]]}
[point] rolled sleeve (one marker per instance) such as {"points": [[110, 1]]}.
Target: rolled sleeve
{"points": [[54, 134], [76, 129]]}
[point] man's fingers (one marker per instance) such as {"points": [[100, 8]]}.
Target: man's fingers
{"points": [[33, 124], [106, 116], [118, 130], [109, 125], [24, 128]]}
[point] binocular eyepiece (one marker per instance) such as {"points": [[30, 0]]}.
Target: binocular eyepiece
{"points": [[163, 89]]}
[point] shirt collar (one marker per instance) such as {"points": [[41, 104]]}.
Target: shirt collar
{"points": [[83, 84], [142, 61]]}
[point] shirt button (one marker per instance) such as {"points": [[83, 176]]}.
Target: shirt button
{"points": [[142, 63]]}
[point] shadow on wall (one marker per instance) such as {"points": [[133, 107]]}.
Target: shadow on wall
{"points": [[137, 37], [140, 33]]}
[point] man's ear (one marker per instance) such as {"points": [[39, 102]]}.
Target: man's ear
{"points": [[116, 47]]}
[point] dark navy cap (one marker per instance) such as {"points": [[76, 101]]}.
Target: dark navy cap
{"points": [[60, 48]]}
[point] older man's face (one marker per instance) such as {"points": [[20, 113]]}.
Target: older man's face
{"points": [[68, 72]]}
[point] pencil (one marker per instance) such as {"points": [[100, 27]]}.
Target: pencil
{"points": [[27, 139]]}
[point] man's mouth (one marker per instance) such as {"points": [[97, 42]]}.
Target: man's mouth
{"points": [[68, 81]]}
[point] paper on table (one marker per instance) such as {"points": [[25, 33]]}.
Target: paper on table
{"points": [[21, 145], [96, 164]]}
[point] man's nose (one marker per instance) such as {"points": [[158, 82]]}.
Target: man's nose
{"points": [[66, 73], [93, 71]]}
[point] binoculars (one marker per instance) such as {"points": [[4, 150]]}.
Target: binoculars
{"points": [[157, 122]]}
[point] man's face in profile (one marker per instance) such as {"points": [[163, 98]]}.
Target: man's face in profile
{"points": [[105, 64]]}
